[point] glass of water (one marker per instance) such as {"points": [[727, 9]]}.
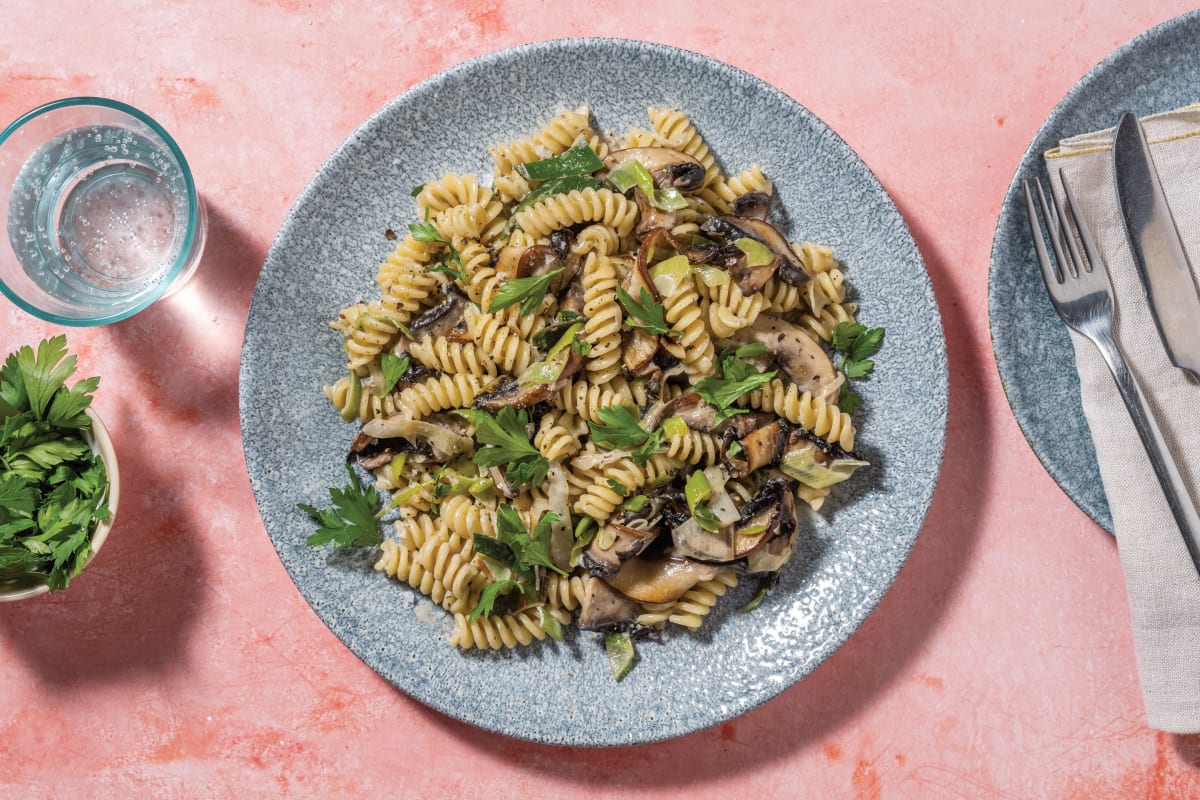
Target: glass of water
{"points": [[100, 216]]}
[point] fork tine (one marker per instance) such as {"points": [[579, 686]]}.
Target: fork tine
{"points": [[1085, 233], [1049, 270], [1080, 262], [1054, 226]]}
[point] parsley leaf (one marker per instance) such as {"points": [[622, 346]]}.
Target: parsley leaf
{"points": [[487, 597], [426, 232], [506, 444], [737, 378], [752, 350], [642, 454], [857, 343], [416, 190], [848, 399], [619, 489], [618, 428], [529, 292], [857, 369], [351, 518], [444, 267], [645, 313], [393, 367]]}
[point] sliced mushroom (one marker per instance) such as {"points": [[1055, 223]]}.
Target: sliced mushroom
{"points": [[540, 259], [518, 395], [442, 318], [697, 414], [650, 217], [799, 356], [671, 169], [624, 542], [660, 580], [790, 269], [774, 509], [752, 205], [561, 242], [602, 609], [638, 347], [759, 447]]}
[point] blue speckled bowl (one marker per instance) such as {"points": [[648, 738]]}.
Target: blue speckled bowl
{"points": [[325, 257], [1156, 71]]}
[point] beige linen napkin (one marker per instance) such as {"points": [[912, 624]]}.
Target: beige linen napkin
{"points": [[1161, 581]]}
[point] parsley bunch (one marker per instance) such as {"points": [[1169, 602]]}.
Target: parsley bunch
{"points": [[53, 487]]}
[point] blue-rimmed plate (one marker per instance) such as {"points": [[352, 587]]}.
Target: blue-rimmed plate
{"points": [[325, 257], [1156, 71]]}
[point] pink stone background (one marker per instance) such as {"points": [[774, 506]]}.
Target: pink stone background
{"points": [[183, 663]]}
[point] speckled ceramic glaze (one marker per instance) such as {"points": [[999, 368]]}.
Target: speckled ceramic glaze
{"points": [[1156, 71], [326, 256]]}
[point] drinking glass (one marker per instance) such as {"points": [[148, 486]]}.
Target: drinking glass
{"points": [[101, 215]]}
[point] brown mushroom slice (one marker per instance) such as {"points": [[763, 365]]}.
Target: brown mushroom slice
{"points": [[718, 547], [601, 608], [660, 580], [759, 447], [774, 509], [638, 349], [671, 169], [790, 269], [638, 346], [573, 299], [798, 355], [649, 216], [540, 259], [623, 543], [696, 413], [443, 441], [442, 318], [752, 205], [523, 394]]}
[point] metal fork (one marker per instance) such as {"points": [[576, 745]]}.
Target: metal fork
{"points": [[1081, 292]]}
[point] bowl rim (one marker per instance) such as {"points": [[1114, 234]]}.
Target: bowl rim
{"points": [[102, 445]]}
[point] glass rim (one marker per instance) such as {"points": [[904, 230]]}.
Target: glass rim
{"points": [[193, 220]]}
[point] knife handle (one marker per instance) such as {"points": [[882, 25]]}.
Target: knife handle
{"points": [[1165, 468]]}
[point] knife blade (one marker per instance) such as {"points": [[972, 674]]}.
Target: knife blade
{"points": [[1158, 251]]}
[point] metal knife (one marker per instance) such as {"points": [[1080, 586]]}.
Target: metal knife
{"points": [[1157, 249]]}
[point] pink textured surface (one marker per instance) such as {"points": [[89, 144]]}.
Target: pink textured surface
{"points": [[184, 663]]}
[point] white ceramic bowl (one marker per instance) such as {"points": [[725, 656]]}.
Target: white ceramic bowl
{"points": [[102, 445]]}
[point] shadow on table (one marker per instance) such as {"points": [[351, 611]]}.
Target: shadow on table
{"points": [[1188, 748], [872, 660], [132, 610]]}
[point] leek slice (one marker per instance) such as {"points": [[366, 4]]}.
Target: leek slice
{"points": [[579, 160], [621, 654]]}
